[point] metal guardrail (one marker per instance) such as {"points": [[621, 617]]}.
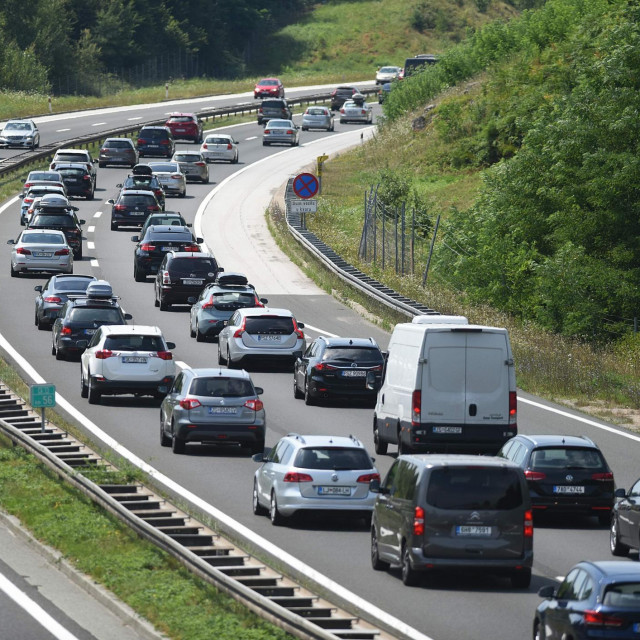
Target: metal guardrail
{"points": [[354, 277]]}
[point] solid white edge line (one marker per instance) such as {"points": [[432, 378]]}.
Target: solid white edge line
{"points": [[34, 610], [7, 204]]}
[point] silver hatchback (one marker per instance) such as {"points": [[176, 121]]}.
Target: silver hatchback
{"points": [[315, 473], [281, 132], [41, 250], [193, 165], [317, 118], [169, 175], [213, 406]]}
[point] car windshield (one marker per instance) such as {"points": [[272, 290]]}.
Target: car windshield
{"points": [[118, 144], [388, 69], [268, 83], [187, 266], [567, 458], [42, 238], [42, 190], [336, 458], [221, 387], [47, 220], [135, 342], [469, 488], [103, 316], [360, 355], [18, 126], [269, 324], [233, 300], [72, 284], [624, 595]]}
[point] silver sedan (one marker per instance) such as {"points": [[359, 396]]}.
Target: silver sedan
{"points": [[317, 118], [356, 111], [40, 250], [193, 165], [281, 131], [220, 146], [173, 181]]}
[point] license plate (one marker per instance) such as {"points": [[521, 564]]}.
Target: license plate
{"points": [[447, 430], [191, 281], [228, 411], [70, 180], [636, 627], [89, 332], [166, 248], [334, 491], [567, 489], [354, 374], [180, 130], [42, 254], [261, 338], [473, 530], [134, 359], [137, 213]]}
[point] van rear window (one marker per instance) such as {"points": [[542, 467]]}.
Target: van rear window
{"points": [[473, 488]]}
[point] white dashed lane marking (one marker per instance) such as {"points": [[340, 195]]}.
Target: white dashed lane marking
{"points": [[91, 245], [136, 118], [94, 263], [97, 124], [91, 229], [97, 214], [61, 130], [252, 138]]}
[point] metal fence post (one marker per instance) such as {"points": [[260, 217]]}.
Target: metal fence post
{"points": [[402, 228], [433, 241]]}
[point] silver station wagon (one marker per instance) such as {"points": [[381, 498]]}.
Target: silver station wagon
{"points": [[317, 118], [281, 132]]}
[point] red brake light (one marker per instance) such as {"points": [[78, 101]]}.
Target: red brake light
{"points": [[103, 354], [292, 476], [28, 200], [513, 407], [142, 141], [153, 207], [342, 110], [65, 331], [190, 403], [208, 305], [416, 407], [418, 521], [534, 475], [238, 333], [164, 142], [528, 523], [120, 207], [52, 299], [62, 252], [229, 146], [165, 355], [147, 247], [193, 248], [204, 145], [176, 176], [201, 164], [368, 477], [322, 366], [267, 131], [85, 177], [254, 404], [298, 331], [23, 252], [606, 476], [364, 112], [166, 278], [596, 618], [289, 132], [27, 185]]}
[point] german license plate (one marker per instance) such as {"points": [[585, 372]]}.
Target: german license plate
{"points": [[227, 411], [191, 281], [166, 248], [268, 338], [354, 374], [134, 359], [454, 430], [89, 332], [636, 627], [71, 180], [334, 491], [472, 530], [137, 213], [567, 489], [42, 254]]}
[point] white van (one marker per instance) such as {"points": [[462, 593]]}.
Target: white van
{"points": [[447, 386]]}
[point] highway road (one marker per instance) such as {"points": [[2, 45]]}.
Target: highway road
{"points": [[229, 213]]}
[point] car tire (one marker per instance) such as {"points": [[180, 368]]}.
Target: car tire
{"points": [[409, 574], [380, 446], [221, 360], [538, 631], [617, 547], [403, 447], [230, 363], [308, 399], [236, 159], [164, 306], [376, 563], [521, 579], [265, 144], [139, 275], [177, 444], [93, 394], [205, 180], [182, 195], [77, 255], [200, 337], [102, 165], [84, 389], [14, 273], [165, 440], [304, 129], [192, 333], [277, 519], [155, 302], [258, 509], [90, 196], [59, 353], [114, 226], [297, 394]]}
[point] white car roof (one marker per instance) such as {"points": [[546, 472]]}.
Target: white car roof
{"points": [[325, 441], [131, 329], [265, 311]]}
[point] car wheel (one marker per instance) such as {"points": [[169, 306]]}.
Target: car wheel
{"points": [[221, 360], [275, 516], [139, 275], [78, 254], [230, 363], [177, 444], [93, 394], [182, 194], [409, 574], [521, 579], [102, 165], [164, 306], [53, 346], [114, 226], [297, 394], [236, 159], [331, 128], [304, 128], [90, 196], [14, 273], [192, 333], [84, 389], [205, 180], [403, 447], [258, 509], [200, 337], [308, 400], [376, 563], [538, 631], [617, 547], [265, 144], [379, 445], [59, 353], [165, 440]]}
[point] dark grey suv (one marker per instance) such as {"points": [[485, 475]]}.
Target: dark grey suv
{"points": [[453, 512], [274, 108]]}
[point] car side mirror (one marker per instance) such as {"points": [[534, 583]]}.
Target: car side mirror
{"points": [[188, 224], [94, 160], [110, 201], [82, 344], [548, 591], [11, 242], [128, 316], [371, 382], [300, 325], [135, 238], [259, 391], [264, 300], [163, 389], [199, 240], [119, 185], [620, 493], [258, 457], [220, 269], [38, 287], [81, 221], [171, 345], [21, 196]]}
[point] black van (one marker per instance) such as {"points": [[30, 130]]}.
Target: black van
{"points": [[418, 63], [453, 512]]}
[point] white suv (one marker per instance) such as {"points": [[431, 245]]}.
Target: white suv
{"points": [[126, 359], [65, 156]]}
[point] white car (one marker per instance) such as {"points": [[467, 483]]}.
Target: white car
{"points": [[387, 74], [260, 333], [220, 146], [356, 111], [41, 250], [126, 359]]}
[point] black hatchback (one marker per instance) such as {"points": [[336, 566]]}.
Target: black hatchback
{"points": [[565, 474], [62, 220], [54, 293], [132, 208], [156, 242], [183, 275], [155, 141], [338, 368]]}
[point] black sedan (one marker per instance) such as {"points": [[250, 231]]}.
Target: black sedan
{"points": [[54, 293], [595, 600]]}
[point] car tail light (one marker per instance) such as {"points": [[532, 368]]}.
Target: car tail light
{"points": [[52, 299], [528, 523], [65, 331], [120, 207], [62, 252], [599, 619], [603, 477], [229, 146], [363, 112], [377, 368], [293, 476], [534, 475], [176, 176], [28, 200], [289, 132], [159, 192], [193, 248], [165, 355], [204, 145], [238, 333], [105, 150], [368, 477], [333, 93], [166, 278], [164, 142], [201, 164], [260, 110], [298, 331], [153, 207], [147, 247], [342, 110], [258, 303], [416, 407], [103, 354], [190, 403], [323, 366], [418, 521], [513, 407], [208, 304], [141, 141], [23, 252], [267, 131], [254, 404], [86, 177], [27, 185]]}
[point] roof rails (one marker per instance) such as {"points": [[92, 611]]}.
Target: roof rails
{"points": [[297, 436]]}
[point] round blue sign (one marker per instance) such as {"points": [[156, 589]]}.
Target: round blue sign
{"points": [[305, 185]]}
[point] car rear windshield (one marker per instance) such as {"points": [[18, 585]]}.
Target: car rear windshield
{"points": [[180, 119], [72, 171], [187, 266], [233, 300], [273, 104], [43, 190], [169, 236], [316, 111], [48, 220], [221, 387], [337, 458], [72, 284], [212, 140], [623, 595], [168, 167], [567, 458], [71, 157], [118, 144], [43, 175], [138, 182], [187, 157], [153, 133], [137, 198], [134, 343], [42, 238], [472, 488], [269, 324], [102, 315], [361, 355]]}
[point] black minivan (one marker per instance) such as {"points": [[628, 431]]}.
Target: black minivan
{"points": [[439, 511]]}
